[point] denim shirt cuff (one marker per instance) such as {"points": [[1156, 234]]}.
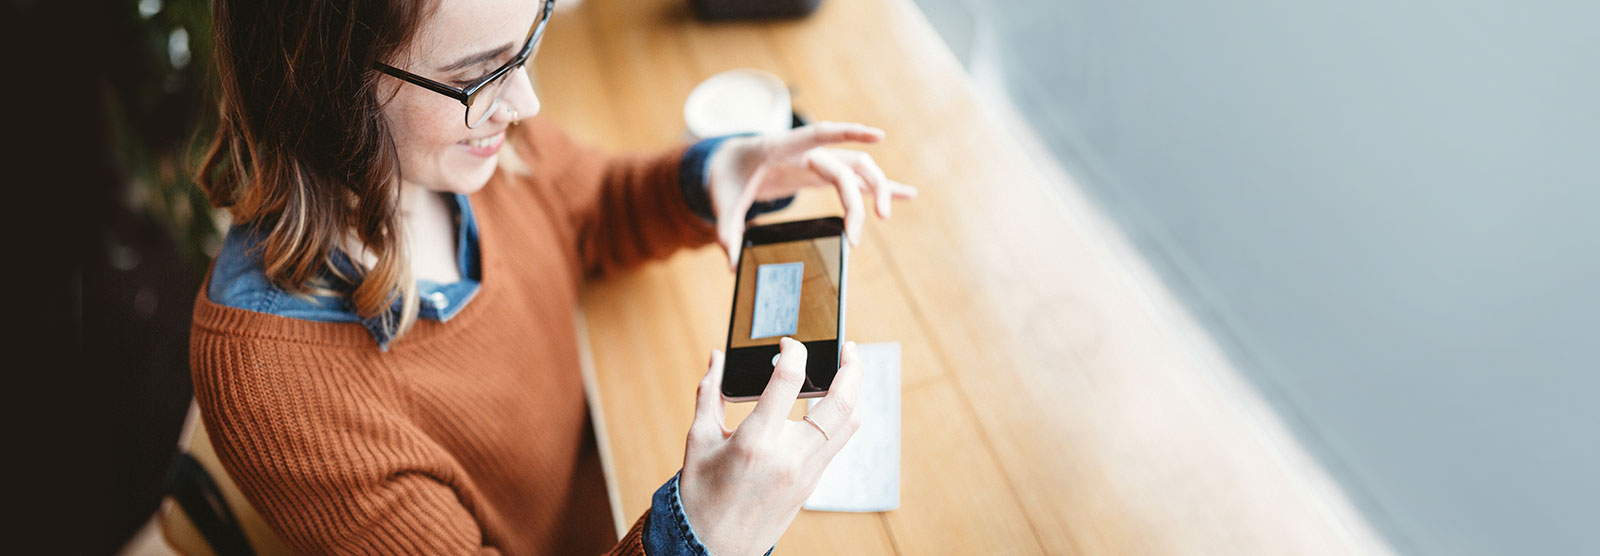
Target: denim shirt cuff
{"points": [[693, 182], [666, 528]]}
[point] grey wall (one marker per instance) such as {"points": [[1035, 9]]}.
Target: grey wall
{"points": [[1386, 212]]}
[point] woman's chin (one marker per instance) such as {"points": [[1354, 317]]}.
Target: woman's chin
{"points": [[469, 180]]}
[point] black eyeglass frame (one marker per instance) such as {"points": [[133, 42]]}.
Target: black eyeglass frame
{"points": [[469, 94]]}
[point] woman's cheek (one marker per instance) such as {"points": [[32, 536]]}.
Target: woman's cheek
{"points": [[423, 136]]}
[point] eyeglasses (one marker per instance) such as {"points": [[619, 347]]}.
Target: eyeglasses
{"points": [[482, 96]]}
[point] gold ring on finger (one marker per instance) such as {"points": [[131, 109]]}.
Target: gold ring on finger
{"points": [[825, 436]]}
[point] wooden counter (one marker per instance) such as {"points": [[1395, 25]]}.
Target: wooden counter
{"points": [[1055, 399]]}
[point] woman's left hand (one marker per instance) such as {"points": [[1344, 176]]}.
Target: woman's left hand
{"points": [[744, 170]]}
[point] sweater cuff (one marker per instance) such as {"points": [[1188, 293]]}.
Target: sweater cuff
{"points": [[693, 181]]}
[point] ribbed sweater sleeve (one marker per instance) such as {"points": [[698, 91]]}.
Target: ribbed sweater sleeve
{"points": [[622, 210]]}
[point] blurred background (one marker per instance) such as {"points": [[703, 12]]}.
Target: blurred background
{"points": [[1381, 210], [111, 96]]}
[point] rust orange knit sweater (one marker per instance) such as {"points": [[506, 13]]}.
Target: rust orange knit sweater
{"points": [[468, 436]]}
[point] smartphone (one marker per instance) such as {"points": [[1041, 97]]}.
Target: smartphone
{"points": [[790, 282]]}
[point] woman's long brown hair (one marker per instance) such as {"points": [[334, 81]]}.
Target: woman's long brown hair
{"points": [[302, 150]]}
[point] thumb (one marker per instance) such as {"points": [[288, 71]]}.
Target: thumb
{"points": [[731, 236]]}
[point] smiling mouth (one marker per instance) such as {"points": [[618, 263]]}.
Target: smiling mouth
{"points": [[481, 143]]}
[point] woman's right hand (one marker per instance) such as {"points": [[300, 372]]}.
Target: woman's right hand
{"points": [[742, 488]]}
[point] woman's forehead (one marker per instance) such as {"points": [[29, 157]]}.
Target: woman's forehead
{"points": [[458, 29]]}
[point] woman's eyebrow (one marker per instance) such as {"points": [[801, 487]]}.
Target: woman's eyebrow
{"points": [[474, 59]]}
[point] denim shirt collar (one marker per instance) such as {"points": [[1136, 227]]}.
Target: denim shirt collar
{"points": [[439, 302], [238, 280]]}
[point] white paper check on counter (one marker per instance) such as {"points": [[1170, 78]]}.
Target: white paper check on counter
{"points": [[865, 475], [777, 310]]}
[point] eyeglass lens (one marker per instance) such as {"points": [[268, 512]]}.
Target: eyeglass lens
{"points": [[490, 95], [488, 99]]}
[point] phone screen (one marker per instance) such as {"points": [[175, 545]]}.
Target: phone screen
{"points": [[785, 288]]}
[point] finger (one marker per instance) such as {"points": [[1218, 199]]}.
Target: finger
{"points": [[710, 415], [849, 185], [903, 191], [868, 169], [827, 133], [884, 194], [835, 413], [731, 236], [778, 398], [731, 220]]}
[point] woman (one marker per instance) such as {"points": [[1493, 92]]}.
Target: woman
{"points": [[384, 349]]}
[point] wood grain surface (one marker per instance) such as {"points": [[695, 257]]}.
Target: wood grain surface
{"points": [[1056, 401]]}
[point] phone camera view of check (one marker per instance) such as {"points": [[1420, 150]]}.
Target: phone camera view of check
{"points": [[790, 282]]}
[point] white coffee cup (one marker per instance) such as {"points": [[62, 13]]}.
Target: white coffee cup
{"points": [[738, 101]]}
